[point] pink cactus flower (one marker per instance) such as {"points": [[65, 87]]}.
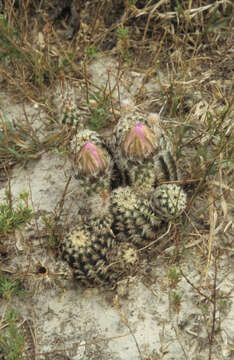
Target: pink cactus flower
{"points": [[91, 159], [140, 142]]}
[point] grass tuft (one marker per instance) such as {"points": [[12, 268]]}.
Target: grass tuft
{"points": [[12, 217], [11, 341], [10, 287]]}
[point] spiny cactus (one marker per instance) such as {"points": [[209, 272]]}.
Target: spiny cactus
{"points": [[101, 248], [99, 215], [136, 219], [168, 201], [139, 143], [91, 161], [136, 143], [64, 101], [97, 259], [86, 253], [92, 251], [165, 168], [148, 175], [137, 131], [122, 260]]}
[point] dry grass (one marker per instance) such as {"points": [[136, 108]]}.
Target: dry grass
{"points": [[188, 47]]}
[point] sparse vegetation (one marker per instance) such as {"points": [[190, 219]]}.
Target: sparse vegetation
{"points": [[175, 58], [174, 277], [18, 142], [11, 340], [9, 287], [92, 51], [176, 300], [50, 223], [99, 111], [13, 215]]}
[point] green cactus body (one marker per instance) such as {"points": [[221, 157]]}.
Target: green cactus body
{"points": [[91, 250], [122, 260], [165, 168], [64, 100], [142, 177], [86, 253], [137, 219], [147, 176], [134, 220], [168, 201], [71, 118]]}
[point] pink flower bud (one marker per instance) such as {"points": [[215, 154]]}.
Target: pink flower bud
{"points": [[140, 142], [91, 159]]}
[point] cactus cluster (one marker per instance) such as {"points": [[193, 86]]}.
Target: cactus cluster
{"points": [[97, 258], [92, 251], [137, 219], [104, 245]]}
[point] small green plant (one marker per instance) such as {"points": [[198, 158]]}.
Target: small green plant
{"points": [[18, 142], [9, 49], [178, 8], [122, 33], [11, 341], [174, 277], [70, 56], [41, 70], [99, 111], [204, 308], [176, 300], [9, 287], [91, 51], [123, 43], [13, 216], [50, 223], [216, 21]]}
